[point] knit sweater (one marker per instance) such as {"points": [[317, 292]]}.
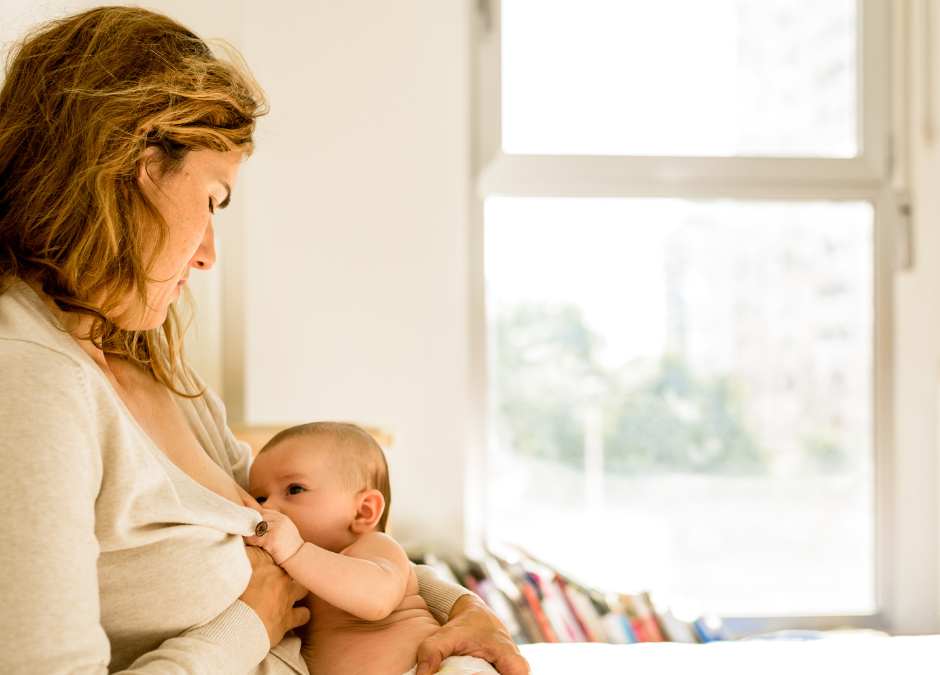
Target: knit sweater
{"points": [[114, 558]]}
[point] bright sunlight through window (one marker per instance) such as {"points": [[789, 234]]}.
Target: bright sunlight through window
{"points": [[680, 396]]}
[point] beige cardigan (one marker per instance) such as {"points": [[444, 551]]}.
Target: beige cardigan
{"points": [[113, 558]]}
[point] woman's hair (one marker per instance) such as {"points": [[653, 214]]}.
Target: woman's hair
{"points": [[83, 97]]}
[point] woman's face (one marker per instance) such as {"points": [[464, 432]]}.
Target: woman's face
{"points": [[187, 199]]}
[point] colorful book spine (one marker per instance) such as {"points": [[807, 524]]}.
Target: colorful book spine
{"points": [[537, 604], [531, 596], [556, 608], [585, 624], [644, 621]]}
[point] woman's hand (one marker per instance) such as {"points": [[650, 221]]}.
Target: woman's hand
{"points": [[271, 593], [472, 630], [281, 539]]}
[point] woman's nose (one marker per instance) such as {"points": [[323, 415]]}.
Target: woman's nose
{"points": [[205, 254]]}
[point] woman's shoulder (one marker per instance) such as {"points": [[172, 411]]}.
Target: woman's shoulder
{"points": [[39, 363], [27, 326]]}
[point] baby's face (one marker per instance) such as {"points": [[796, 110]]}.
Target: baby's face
{"points": [[300, 481]]}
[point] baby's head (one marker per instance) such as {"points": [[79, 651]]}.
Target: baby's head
{"points": [[329, 478]]}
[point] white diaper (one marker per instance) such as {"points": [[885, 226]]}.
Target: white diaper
{"points": [[461, 665]]}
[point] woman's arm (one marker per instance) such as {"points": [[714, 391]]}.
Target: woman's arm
{"points": [[439, 595], [53, 470]]}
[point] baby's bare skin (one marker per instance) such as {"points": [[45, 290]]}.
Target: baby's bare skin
{"points": [[366, 615], [337, 643]]}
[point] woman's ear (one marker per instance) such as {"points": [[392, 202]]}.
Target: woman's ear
{"points": [[146, 160], [370, 505]]}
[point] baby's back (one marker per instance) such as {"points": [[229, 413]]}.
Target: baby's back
{"points": [[338, 643]]}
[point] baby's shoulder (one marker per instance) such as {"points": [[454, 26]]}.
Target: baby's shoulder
{"points": [[381, 549], [374, 542]]}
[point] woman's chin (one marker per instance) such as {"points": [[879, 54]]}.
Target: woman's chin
{"points": [[148, 321]]}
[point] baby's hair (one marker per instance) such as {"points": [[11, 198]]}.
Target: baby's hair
{"points": [[358, 457]]}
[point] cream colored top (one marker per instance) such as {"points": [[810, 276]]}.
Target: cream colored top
{"points": [[113, 558]]}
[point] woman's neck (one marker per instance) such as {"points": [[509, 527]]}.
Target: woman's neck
{"points": [[76, 325]]}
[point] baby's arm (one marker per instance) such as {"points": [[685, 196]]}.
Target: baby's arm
{"points": [[368, 579]]}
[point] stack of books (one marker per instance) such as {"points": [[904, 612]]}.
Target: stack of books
{"points": [[537, 604]]}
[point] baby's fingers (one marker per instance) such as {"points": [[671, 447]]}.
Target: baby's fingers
{"points": [[262, 535]]}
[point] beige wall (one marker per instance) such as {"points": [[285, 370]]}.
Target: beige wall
{"points": [[917, 355], [355, 286]]}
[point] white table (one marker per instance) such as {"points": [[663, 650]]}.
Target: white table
{"points": [[857, 655]]}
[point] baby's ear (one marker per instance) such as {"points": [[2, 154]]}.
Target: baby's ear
{"points": [[370, 506]]}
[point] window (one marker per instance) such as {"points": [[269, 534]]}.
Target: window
{"points": [[682, 274], [679, 77]]}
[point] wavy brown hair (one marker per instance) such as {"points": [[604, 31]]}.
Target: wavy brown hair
{"points": [[84, 96]]}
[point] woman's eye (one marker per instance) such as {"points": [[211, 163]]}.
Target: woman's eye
{"points": [[211, 207], [294, 490]]}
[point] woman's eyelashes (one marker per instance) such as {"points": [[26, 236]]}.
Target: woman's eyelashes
{"points": [[211, 207]]}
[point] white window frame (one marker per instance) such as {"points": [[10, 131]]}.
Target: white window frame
{"points": [[866, 177]]}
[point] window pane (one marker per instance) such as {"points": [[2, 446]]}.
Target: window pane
{"points": [[680, 397], [721, 78]]}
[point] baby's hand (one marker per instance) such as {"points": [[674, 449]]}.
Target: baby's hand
{"points": [[281, 539]]}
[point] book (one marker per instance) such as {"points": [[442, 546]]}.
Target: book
{"points": [[642, 618], [530, 593], [710, 628], [554, 605], [539, 604], [582, 612], [503, 583]]}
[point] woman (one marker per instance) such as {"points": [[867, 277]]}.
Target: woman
{"points": [[120, 135]]}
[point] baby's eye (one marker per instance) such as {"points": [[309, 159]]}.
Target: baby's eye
{"points": [[294, 490], [261, 500]]}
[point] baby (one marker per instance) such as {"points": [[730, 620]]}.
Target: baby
{"points": [[325, 493]]}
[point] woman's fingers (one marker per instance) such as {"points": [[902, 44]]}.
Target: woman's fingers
{"points": [[258, 557], [299, 591], [271, 593], [513, 664], [430, 654], [300, 616], [475, 631]]}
